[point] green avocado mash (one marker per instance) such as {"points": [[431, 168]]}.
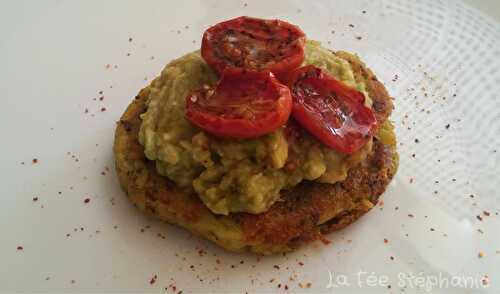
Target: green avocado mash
{"points": [[231, 175]]}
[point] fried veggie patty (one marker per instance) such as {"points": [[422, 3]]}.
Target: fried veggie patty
{"points": [[304, 213]]}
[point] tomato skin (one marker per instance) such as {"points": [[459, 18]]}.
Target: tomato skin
{"points": [[255, 44], [243, 105], [330, 110]]}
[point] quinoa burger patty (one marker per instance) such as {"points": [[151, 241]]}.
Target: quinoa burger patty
{"points": [[304, 213]]}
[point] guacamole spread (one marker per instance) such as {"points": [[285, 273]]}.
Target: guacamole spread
{"points": [[231, 175]]}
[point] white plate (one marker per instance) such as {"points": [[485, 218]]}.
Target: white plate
{"points": [[54, 57]]}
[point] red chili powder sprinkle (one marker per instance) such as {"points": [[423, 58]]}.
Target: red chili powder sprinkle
{"points": [[153, 279], [325, 240]]}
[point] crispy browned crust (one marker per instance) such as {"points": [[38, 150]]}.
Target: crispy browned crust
{"points": [[306, 212]]}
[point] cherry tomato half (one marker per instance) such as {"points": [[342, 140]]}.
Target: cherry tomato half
{"points": [[244, 104], [255, 44], [330, 110]]}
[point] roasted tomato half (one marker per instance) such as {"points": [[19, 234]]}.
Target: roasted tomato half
{"points": [[244, 104], [255, 44], [330, 110]]}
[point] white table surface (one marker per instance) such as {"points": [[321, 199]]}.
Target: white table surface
{"points": [[490, 7]]}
